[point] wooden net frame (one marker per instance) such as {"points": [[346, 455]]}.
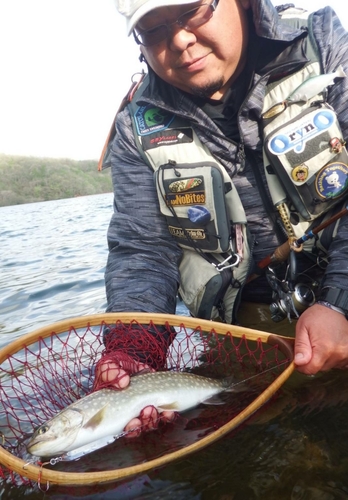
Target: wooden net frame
{"points": [[43, 475]]}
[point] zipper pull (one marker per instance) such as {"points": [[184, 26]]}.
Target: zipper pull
{"points": [[172, 163]]}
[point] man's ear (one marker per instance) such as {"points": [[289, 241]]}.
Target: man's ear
{"points": [[142, 58]]}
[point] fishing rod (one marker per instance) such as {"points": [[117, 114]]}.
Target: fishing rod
{"points": [[296, 244], [290, 299]]}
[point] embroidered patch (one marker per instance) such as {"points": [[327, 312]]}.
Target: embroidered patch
{"points": [[295, 136], [184, 185], [332, 180], [195, 234], [184, 192], [149, 119], [184, 199], [169, 137]]}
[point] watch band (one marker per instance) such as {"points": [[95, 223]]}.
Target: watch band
{"points": [[335, 297], [330, 306]]}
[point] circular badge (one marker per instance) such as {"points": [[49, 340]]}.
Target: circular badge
{"points": [[300, 173], [332, 180]]}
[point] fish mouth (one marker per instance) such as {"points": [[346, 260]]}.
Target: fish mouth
{"points": [[37, 440], [46, 446]]}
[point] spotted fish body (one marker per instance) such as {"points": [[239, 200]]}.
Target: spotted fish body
{"points": [[100, 417], [314, 85]]}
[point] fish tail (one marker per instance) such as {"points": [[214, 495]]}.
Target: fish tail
{"points": [[340, 72]]}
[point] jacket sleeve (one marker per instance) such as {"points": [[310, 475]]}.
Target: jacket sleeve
{"points": [[332, 40], [142, 268]]}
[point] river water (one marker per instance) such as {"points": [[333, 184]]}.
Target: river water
{"points": [[53, 257]]}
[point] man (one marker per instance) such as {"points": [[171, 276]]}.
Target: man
{"points": [[216, 69]]}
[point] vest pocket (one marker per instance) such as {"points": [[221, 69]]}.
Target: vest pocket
{"points": [[192, 198], [308, 155]]}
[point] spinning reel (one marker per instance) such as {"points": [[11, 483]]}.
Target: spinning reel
{"points": [[290, 299]]}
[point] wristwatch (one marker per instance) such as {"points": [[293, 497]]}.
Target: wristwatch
{"points": [[335, 297]]}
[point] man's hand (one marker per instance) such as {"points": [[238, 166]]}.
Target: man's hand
{"points": [[321, 341], [117, 374]]}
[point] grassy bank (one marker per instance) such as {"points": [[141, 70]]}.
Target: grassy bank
{"points": [[27, 179]]}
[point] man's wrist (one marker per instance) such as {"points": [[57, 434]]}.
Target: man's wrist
{"points": [[334, 298], [330, 306]]}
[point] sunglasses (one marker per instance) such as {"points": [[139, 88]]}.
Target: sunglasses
{"points": [[190, 20]]}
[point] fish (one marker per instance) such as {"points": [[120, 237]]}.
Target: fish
{"points": [[99, 418], [184, 184], [314, 85]]}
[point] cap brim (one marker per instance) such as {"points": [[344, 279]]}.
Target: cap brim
{"points": [[151, 5]]}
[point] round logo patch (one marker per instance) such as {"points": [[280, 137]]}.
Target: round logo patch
{"points": [[332, 180], [300, 173]]}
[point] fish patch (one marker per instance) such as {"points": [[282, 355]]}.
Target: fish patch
{"points": [[168, 137], [149, 119], [186, 191], [184, 185]]}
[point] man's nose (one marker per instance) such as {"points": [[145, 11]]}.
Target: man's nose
{"points": [[180, 38]]}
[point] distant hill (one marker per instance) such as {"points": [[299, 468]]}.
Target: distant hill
{"points": [[27, 179]]}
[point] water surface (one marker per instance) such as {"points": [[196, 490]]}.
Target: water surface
{"points": [[53, 257]]}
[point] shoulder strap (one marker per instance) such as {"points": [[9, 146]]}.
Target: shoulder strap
{"points": [[133, 108], [104, 160], [299, 18], [315, 54]]}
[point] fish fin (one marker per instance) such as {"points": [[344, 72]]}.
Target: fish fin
{"points": [[174, 406], [142, 372], [96, 420], [214, 400]]}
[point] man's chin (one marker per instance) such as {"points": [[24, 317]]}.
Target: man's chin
{"points": [[208, 90]]}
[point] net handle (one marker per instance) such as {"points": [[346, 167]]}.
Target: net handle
{"points": [[42, 475]]}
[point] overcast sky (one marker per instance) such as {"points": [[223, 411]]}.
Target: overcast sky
{"points": [[65, 65]]}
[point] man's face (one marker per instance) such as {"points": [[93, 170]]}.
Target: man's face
{"points": [[205, 61]]}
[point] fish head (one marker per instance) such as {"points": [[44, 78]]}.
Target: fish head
{"points": [[56, 436]]}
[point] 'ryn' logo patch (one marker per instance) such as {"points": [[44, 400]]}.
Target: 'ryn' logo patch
{"points": [[295, 136]]}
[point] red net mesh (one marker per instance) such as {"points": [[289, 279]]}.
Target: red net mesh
{"points": [[43, 378]]}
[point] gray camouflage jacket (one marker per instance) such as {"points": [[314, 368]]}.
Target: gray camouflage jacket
{"points": [[142, 269]]}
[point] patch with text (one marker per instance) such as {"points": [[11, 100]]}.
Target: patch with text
{"points": [[332, 180], [168, 137], [195, 234], [149, 119]]}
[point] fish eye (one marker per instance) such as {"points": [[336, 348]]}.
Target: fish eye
{"points": [[43, 429]]}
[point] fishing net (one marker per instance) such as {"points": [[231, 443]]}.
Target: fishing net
{"points": [[46, 370]]}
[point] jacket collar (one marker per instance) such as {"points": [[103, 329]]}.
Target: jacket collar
{"points": [[267, 23]]}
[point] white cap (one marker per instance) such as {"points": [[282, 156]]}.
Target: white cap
{"points": [[134, 10]]}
